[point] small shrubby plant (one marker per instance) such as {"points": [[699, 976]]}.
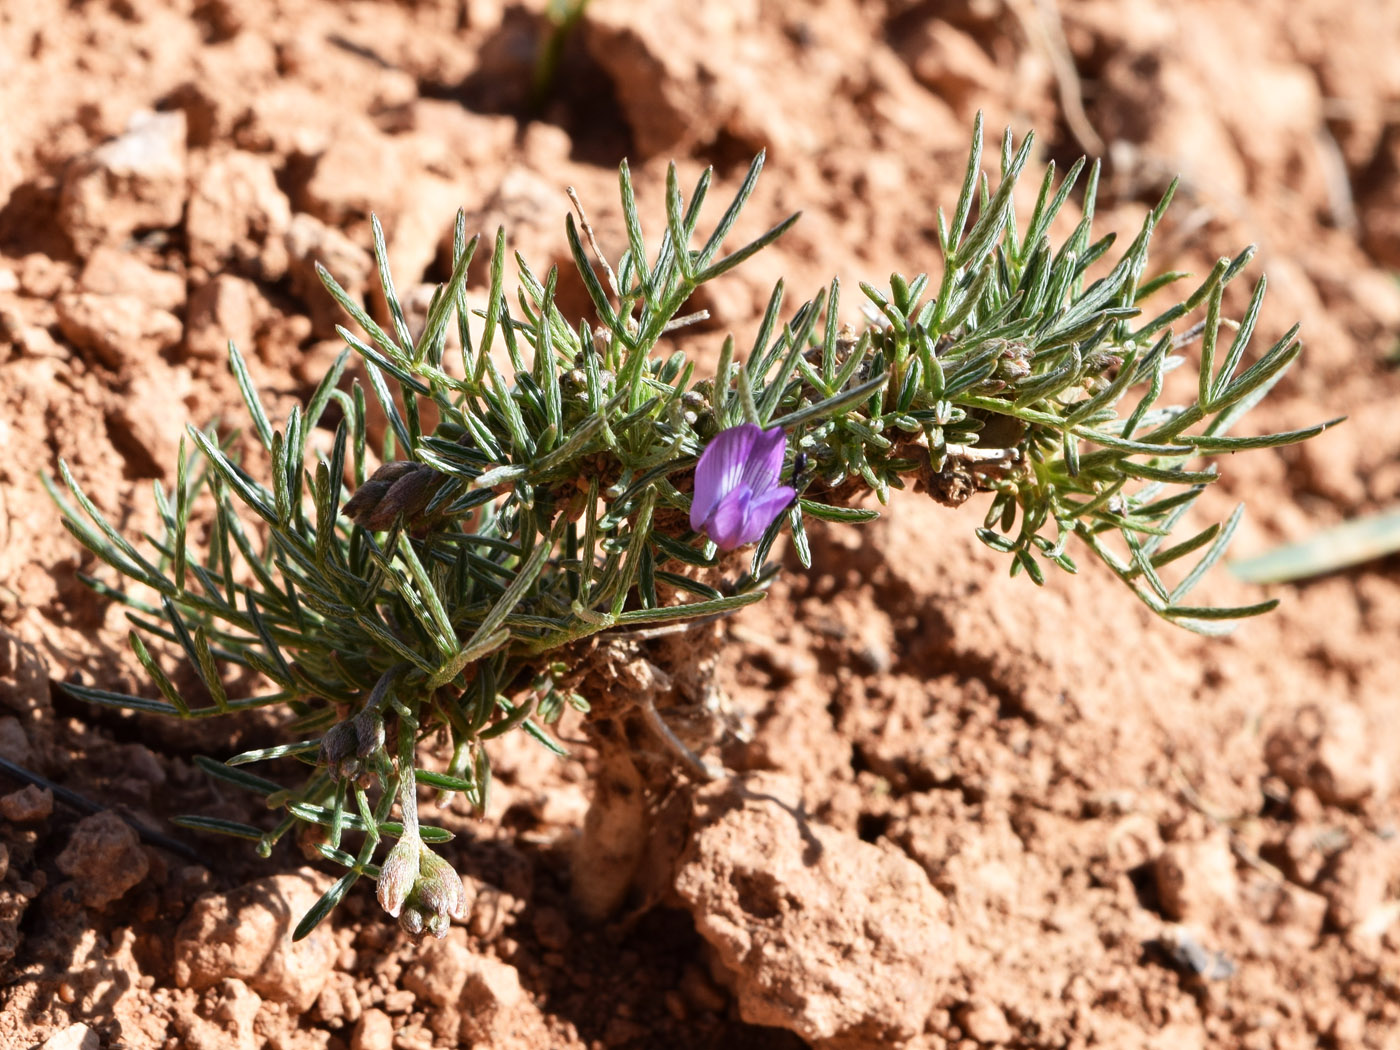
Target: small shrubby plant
{"points": [[573, 527]]}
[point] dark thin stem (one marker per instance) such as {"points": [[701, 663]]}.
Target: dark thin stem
{"points": [[83, 805]]}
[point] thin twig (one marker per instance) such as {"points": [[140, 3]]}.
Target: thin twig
{"points": [[1045, 30], [1340, 201], [76, 801], [593, 242], [973, 454], [688, 319], [693, 762]]}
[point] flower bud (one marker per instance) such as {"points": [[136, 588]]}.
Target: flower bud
{"points": [[338, 750], [440, 888], [399, 873], [375, 488], [438, 896], [400, 488], [369, 732], [411, 922]]}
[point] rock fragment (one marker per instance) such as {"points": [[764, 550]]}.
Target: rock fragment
{"points": [[149, 440], [104, 858], [110, 271], [227, 78], [1299, 915], [841, 941], [224, 1019], [1330, 750], [352, 177], [42, 276], [134, 182], [226, 308], [12, 908], [657, 82], [475, 998], [247, 934], [950, 62], [113, 328], [438, 971], [373, 1031], [1197, 881], [491, 995], [28, 805], [238, 217], [983, 1021], [74, 1037], [311, 241], [14, 742], [1356, 882]]}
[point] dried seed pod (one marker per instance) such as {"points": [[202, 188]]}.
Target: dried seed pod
{"points": [[1015, 362], [952, 486], [397, 488]]}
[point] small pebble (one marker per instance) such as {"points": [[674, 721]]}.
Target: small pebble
{"points": [[551, 928], [14, 744], [373, 1031], [104, 857], [984, 1022], [1191, 958], [74, 1037], [28, 805]]}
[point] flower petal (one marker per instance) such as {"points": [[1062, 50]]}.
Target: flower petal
{"points": [[728, 525], [741, 517], [765, 508], [765, 460], [720, 468]]}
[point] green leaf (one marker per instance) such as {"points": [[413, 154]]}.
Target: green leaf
{"points": [[842, 515], [219, 827], [1353, 542], [689, 611], [443, 781], [120, 701], [237, 777], [325, 905]]}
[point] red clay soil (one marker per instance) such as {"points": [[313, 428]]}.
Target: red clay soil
{"points": [[972, 812]]}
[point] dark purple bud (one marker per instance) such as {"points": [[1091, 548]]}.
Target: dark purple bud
{"points": [[737, 494], [369, 732], [338, 749], [398, 488]]}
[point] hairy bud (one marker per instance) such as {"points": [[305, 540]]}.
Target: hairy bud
{"points": [[399, 873], [438, 896], [338, 750]]}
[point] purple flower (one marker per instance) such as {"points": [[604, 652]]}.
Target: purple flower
{"points": [[737, 495]]}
